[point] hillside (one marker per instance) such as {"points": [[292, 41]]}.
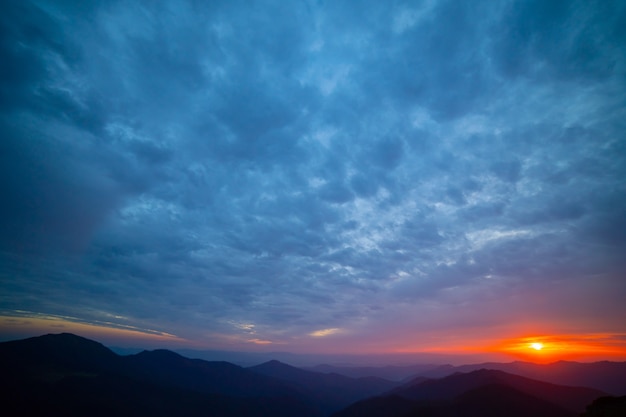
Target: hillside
{"points": [[65, 374], [483, 392], [331, 391], [605, 376], [69, 375]]}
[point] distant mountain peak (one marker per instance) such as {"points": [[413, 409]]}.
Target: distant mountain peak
{"points": [[572, 398], [279, 369], [63, 336], [275, 363], [160, 353], [59, 374], [57, 352], [66, 342]]}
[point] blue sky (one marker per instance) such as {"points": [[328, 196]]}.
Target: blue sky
{"points": [[317, 175]]}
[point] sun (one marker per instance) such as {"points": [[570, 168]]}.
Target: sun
{"points": [[536, 346]]}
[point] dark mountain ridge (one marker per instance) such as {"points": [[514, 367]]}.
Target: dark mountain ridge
{"points": [[166, 367], [389, 372], [482, 392], [65, 374], [493, 400], [571, 398], [64, 350], [605, 376], [496, 400], [331, 391]]}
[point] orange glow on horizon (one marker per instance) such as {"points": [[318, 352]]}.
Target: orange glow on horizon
{"points": [[443, 345], [550, 348], [539, 348]]}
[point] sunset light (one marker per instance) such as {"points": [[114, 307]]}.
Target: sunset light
{"points": [[570, 347]]}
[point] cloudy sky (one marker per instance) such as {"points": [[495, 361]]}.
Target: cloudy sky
{"points": [[315, 176]]}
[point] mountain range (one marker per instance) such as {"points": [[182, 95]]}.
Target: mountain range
{"points": [[331, 391], [478, 393], [67, 375], [605, 376]]}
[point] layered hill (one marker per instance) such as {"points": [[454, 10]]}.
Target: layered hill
{"points": [[389, 372], [331, 391], [605, 376], [483, 392], [65, 374], [572, 398]]}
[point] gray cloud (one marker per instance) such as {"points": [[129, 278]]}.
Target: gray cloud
{"points": [[300, 167]]}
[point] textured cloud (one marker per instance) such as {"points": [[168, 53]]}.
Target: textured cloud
{"points": [[231, 172]]}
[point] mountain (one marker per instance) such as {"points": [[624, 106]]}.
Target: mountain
{"points": [[64, 351], [387, 406], [331, 391], [483, 392], [166, 367], [65, 374], [494, 400], [605, 376], [68, 375], [606, 407], [571, 398], [390, 372], [609, 377]]}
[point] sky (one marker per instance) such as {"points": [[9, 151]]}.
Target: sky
{"points": [[316, 176]]}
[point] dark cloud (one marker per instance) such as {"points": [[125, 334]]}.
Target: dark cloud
{"points": [[203, 168], [561, 39]]}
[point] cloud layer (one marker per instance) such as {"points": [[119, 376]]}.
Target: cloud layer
{"points": [[316, 175]]}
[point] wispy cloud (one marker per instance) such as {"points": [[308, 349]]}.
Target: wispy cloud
{"points": [[325, 332]]}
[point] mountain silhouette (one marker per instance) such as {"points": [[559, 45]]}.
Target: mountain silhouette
{"points": [[606, 407], [496, 400], [389, 372], [166, 367], [478, 393], [61, 351], [605, 376], [571, 398], [492, 400], [387, 406], [69, 375], [331, 391]]}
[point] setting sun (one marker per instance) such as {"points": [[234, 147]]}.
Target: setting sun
{"points": [[546, 348]]}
